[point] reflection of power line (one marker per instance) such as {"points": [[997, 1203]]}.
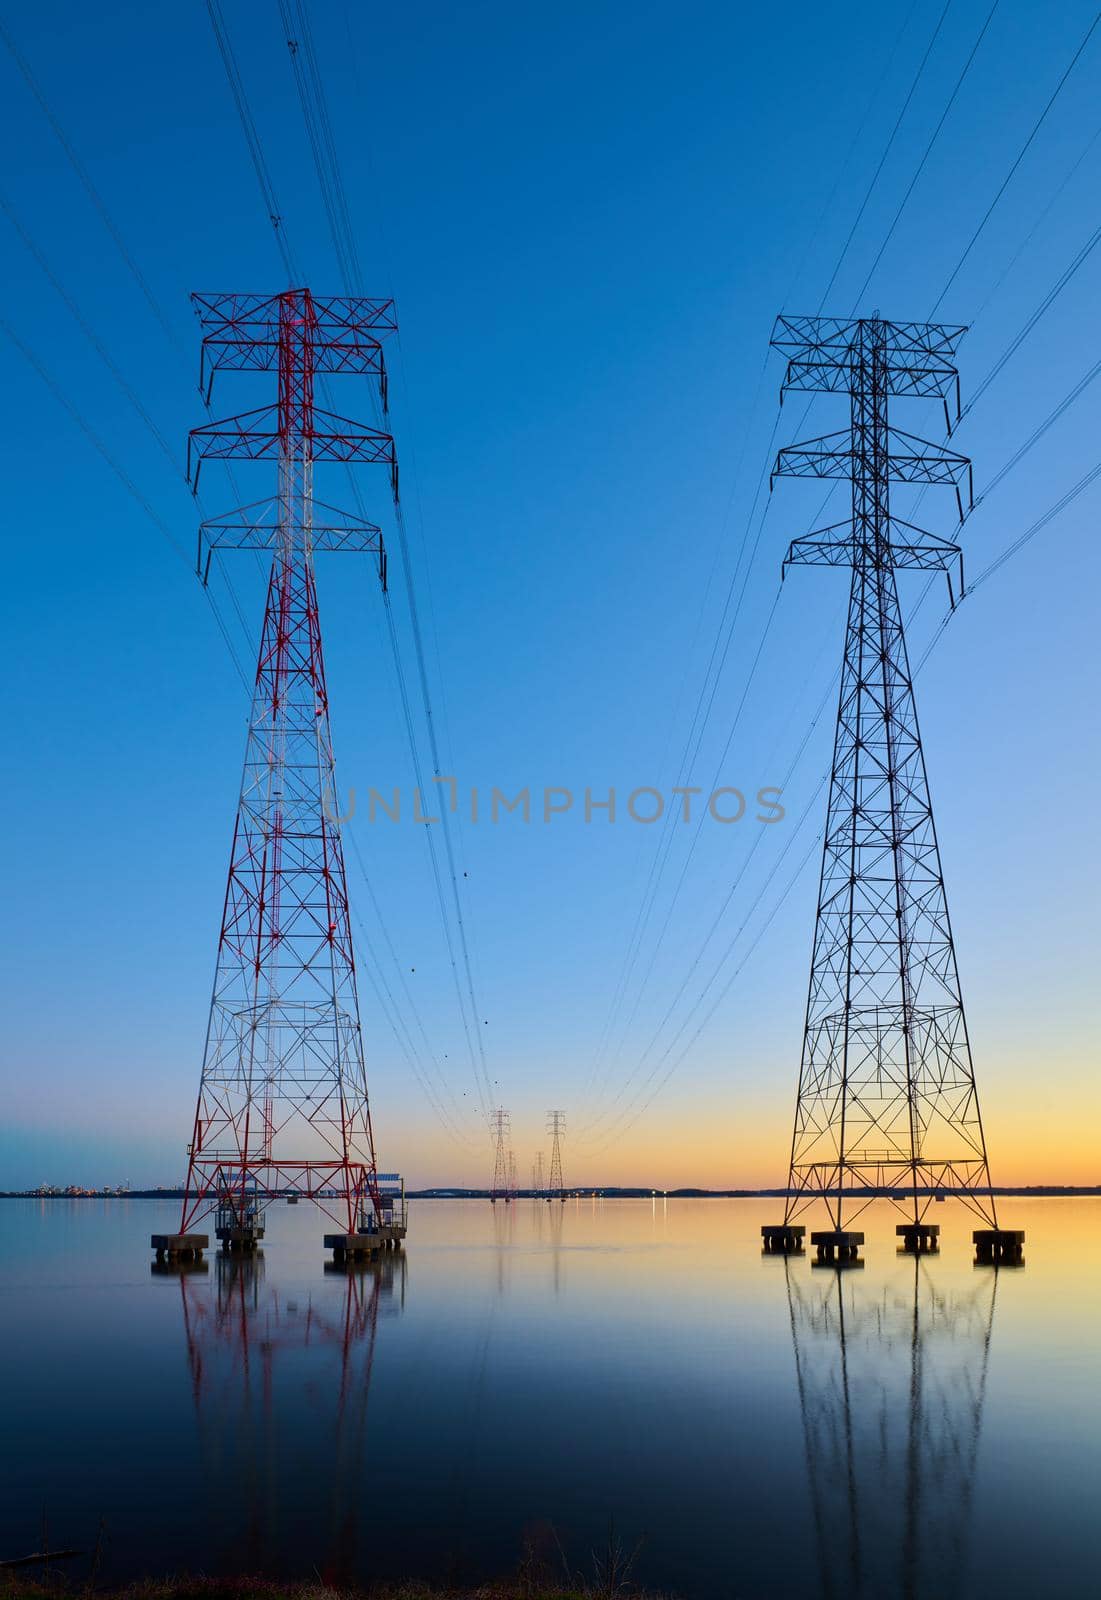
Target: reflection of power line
{"points": [[891, 1387]]}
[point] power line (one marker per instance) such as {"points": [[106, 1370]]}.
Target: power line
{"points": [[90, 189], [1029, 443], [1020, 157], [83, 322], [1041, 522], [926, 154], [843, 165], [1055, 195], [658, 865], [319, 135], [443, 1089], [686, 863], [697, 728], [124, 478], [660, 859], [389, 1009], [252, 138], [1014, 345], [1045, 305], [1017, 544], [482, 1081], [104, 354], [886, 152]]}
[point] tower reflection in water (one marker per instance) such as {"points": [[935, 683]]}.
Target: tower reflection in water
{"points": [[891, 1383], [281, 1387]]}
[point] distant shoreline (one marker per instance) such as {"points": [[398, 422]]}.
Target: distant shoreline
{"points": [[597, 1192]]}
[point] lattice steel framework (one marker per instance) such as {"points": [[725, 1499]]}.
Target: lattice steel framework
{"points": [[499, 1125], [887, 1094], [283, 1099], [556, 1127]]}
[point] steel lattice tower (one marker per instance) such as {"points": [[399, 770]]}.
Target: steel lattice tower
{"points": [[556, 1127], [499, 1123], [537, 1176], [283, 1097], [887, 1094]]}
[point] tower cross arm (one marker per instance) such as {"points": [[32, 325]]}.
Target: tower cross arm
{"points": [[256, 316], [257, 527], [242, 334], [256, 436], [829, 456], [825, 353], [837, 339], [817, 373], [906, 546], [909, 460]]}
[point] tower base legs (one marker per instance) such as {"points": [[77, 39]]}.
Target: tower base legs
{"points": [[176, 1247], [999, 1247], [239, 1239], [837, 1246], [919, 1237], [362, 1246], [783, 1238]]}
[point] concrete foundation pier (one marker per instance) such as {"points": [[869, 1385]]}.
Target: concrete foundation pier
{"points": [[242, 1240], [782, 1239], [837, 1246], [999, 1247], [355, 1246], [179, 1247], [919, 1238]]}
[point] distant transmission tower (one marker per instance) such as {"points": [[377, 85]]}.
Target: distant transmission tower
{"points": [[537, 1177], [513, 1181], [282, 1104], [499, 1123], [556, 1127], [887, 1095]]}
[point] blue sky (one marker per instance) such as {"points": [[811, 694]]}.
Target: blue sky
{"points": [[589, 216]]}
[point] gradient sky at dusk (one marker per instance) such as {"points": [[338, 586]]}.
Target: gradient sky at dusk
{"points": [[589, 216]]}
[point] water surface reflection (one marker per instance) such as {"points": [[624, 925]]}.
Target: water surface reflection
{"points": [[530, 1374], [249, 1347], [891, 1379]]}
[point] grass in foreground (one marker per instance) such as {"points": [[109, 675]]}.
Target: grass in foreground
{"points": [[189, 1587]]}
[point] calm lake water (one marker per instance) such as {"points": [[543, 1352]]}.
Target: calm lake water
{"points": [[537, 1374]]}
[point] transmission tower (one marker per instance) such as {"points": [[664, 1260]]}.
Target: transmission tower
{"points": [[283, 1103], [886, 1097], [556, 1127], [499, 1123], [537, 1177], [513, 1181]]}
